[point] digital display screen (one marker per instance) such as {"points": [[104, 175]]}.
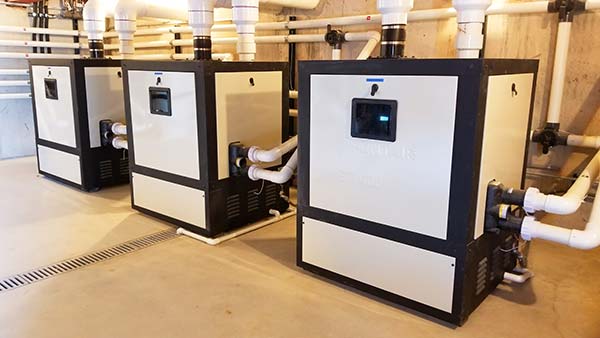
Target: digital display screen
{"points": [[51, 88], [374, 119], [160, 101]]}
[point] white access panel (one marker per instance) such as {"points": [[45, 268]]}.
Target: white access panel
{"points": [[58, 163], [165, 143], [104, 93], [246, 113], [403, 184], [170, 199], [423, 276], [55, 118], [504, 136]]}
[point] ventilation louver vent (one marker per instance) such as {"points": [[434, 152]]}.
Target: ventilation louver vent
{"points": [[106, 170], [253, 201], [124, 167], [271, 194], [233, 206], [482, 272], [46, 272]]}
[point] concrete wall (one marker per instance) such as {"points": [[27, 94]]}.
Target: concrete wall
{"points": [[17, 137]]}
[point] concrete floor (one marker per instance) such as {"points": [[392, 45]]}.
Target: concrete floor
{"points": [[248, 287]]}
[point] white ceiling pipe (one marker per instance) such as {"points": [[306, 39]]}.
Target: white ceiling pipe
{"points": [[14, 83], [257, 155], [559, 72], [583, 141], [24, 43], [30, 30], [470, 17], [14, 72], [569, 202], [15, 96], [282, 176], [7, 55]]}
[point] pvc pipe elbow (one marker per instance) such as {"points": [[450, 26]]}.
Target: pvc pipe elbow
{"points": [[559, 205], [256, 173], [587, 239]]}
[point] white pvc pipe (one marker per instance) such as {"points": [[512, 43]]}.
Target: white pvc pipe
{"points": [[282, 176], [30, 30], [579, 239], [7, 55], [470, 16], [336, 54], [520, 278], [14, 72], [239, 232], [584, 141], [119, 128], [120, 143], [23, 43], [592, 4], [372, 38], [257, 155], [15, 96], [14, 83], [559, 72], [569, 202]]}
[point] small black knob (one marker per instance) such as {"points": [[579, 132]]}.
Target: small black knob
{"points": [[252, 82], [374, 89]]}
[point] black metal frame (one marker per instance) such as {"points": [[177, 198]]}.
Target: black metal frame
{"points": [[470, 117], [90, 158], [216, 191]]}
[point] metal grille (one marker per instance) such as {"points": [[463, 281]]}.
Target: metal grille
{"points": [[253, 200], [271, 194], [233, 206], [16, 281], [106, 170], [482, 271], [124, 167]]}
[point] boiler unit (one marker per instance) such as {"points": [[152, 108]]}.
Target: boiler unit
{"points": [[396, 156], [70, 98], [182, 118]]}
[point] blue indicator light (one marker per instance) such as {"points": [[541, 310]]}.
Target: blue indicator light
{"points": [[158, 73], [375, 80], [384, 118]]}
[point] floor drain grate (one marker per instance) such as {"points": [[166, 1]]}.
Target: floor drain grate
{"points": [[52, 270]]}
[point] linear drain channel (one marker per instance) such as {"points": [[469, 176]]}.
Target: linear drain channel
{"points": [[48, 271]]}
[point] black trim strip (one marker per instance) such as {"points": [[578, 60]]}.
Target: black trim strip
{"points": [[164, 176]]}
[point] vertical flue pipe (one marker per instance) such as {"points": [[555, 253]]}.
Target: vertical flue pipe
{"points": [[470, 15], [245, 17], [201, 19], [393, 25], [94, 23]]}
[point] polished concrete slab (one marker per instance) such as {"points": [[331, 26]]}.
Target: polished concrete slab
{"points": [[248, 287]]}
